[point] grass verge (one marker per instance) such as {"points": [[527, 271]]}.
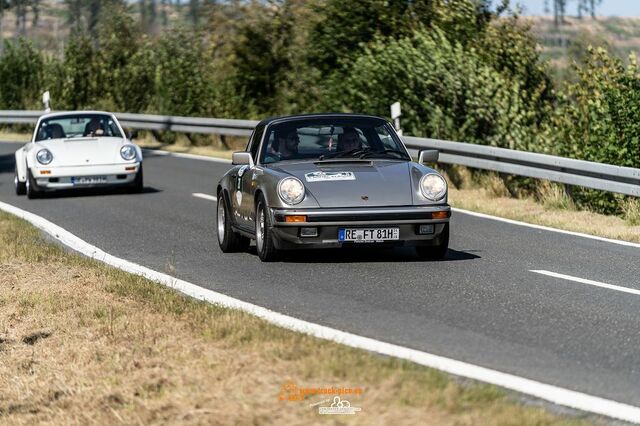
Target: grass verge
{"points": [[81, 342]]}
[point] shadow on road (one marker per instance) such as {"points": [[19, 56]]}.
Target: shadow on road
{"points": [[7, 163], [366, 254], [96, 192]]}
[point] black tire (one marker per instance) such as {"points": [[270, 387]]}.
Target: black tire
{"points": [[265, 246], [439, 251], [21, 187], [137, 186], [32, 187], [229, 241]]}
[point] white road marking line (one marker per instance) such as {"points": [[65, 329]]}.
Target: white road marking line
{"points": [[589, 282], [554, 394], [546, 228], [205, 196]]}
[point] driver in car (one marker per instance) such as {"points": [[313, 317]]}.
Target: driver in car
{"points": [[349, 140], [94, 128]]}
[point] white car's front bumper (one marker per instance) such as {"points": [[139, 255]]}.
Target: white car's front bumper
{"points": [[67, 177]]}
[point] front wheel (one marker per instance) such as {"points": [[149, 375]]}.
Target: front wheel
{"points": [[439, 251], [228, 240], [32, 187], [137, 186], [21, 187], [265, 247]]}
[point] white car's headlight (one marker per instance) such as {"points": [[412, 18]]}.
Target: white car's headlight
{"points": [[44, 156], [291, 190], [433, 186], [128, 152]]}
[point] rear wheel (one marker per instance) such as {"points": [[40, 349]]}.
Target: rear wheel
{"points": [[21, 187], [264, 235], [31, 187], [228, 240], [439, 251]]}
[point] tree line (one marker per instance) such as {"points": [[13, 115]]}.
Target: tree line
{"points": [[463, 70]]}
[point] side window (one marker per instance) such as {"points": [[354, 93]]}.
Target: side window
{"points": [[385, 138], [255, 142]]}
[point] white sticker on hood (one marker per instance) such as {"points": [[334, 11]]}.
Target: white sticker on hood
{"points": [[329, 176]]}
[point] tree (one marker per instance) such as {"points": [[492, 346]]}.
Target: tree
{"points": [[559, 12], [21, 75], [261, 56], [194, 12], [4, 6]]}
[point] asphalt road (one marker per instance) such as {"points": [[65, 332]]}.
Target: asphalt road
{"points": [[482, 306]]}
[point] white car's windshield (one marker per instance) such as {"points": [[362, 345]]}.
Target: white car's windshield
{"points": [[329, 138], [78, 126]]}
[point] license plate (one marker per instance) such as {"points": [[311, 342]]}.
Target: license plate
{"points": [[368, 235], [89, 180]]}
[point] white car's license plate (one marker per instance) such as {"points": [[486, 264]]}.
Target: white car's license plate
{"points": [[368, 235], [88, 180]]}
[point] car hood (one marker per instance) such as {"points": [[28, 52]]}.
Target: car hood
{"points": [[83, 151], [354, 184]]}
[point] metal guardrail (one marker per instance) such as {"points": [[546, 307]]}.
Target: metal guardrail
{"points": [[605, 177]]}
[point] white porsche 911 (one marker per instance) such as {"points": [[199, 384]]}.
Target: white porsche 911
{"points": [[77, 150]]}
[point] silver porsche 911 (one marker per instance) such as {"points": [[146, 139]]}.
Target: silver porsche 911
{"points": [[331, 180]]}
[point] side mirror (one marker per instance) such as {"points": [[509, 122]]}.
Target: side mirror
{"points": [[132, 135], [241, 158], [428, 156]]}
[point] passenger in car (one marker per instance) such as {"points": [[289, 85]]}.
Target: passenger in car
{"points": [[287, 143]]}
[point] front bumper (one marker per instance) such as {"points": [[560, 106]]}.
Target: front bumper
{"points": [[327, 222], [66, 177]]}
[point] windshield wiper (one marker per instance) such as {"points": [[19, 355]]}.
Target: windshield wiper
{"points": [[401, 154], [354, 153]]}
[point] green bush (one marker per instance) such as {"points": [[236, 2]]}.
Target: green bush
{"points": [[21, 75], [597, 120], [446, 90]]}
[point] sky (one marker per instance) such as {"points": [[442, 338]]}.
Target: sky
{"points": [[608, 7]]}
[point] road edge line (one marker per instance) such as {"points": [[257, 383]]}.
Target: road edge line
{"points": [[551, 393]]}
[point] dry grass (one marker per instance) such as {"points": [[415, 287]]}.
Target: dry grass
{"points": [[631, 209], [83, 343], [10, 136], [554, 211]]}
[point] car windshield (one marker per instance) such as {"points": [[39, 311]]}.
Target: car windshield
{"points": [[320, 139], [78, 126]]}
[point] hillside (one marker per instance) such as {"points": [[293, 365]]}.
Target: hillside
{"points": [[564, 45]]}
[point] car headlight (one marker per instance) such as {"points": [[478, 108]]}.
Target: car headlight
{"points": [[291, 190], [128, 152], [44, 156], [433, 186]]}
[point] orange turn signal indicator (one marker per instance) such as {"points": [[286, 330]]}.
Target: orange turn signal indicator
{"points": [[440, 215], [130, 169], [295, 219], [45, 172]]}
